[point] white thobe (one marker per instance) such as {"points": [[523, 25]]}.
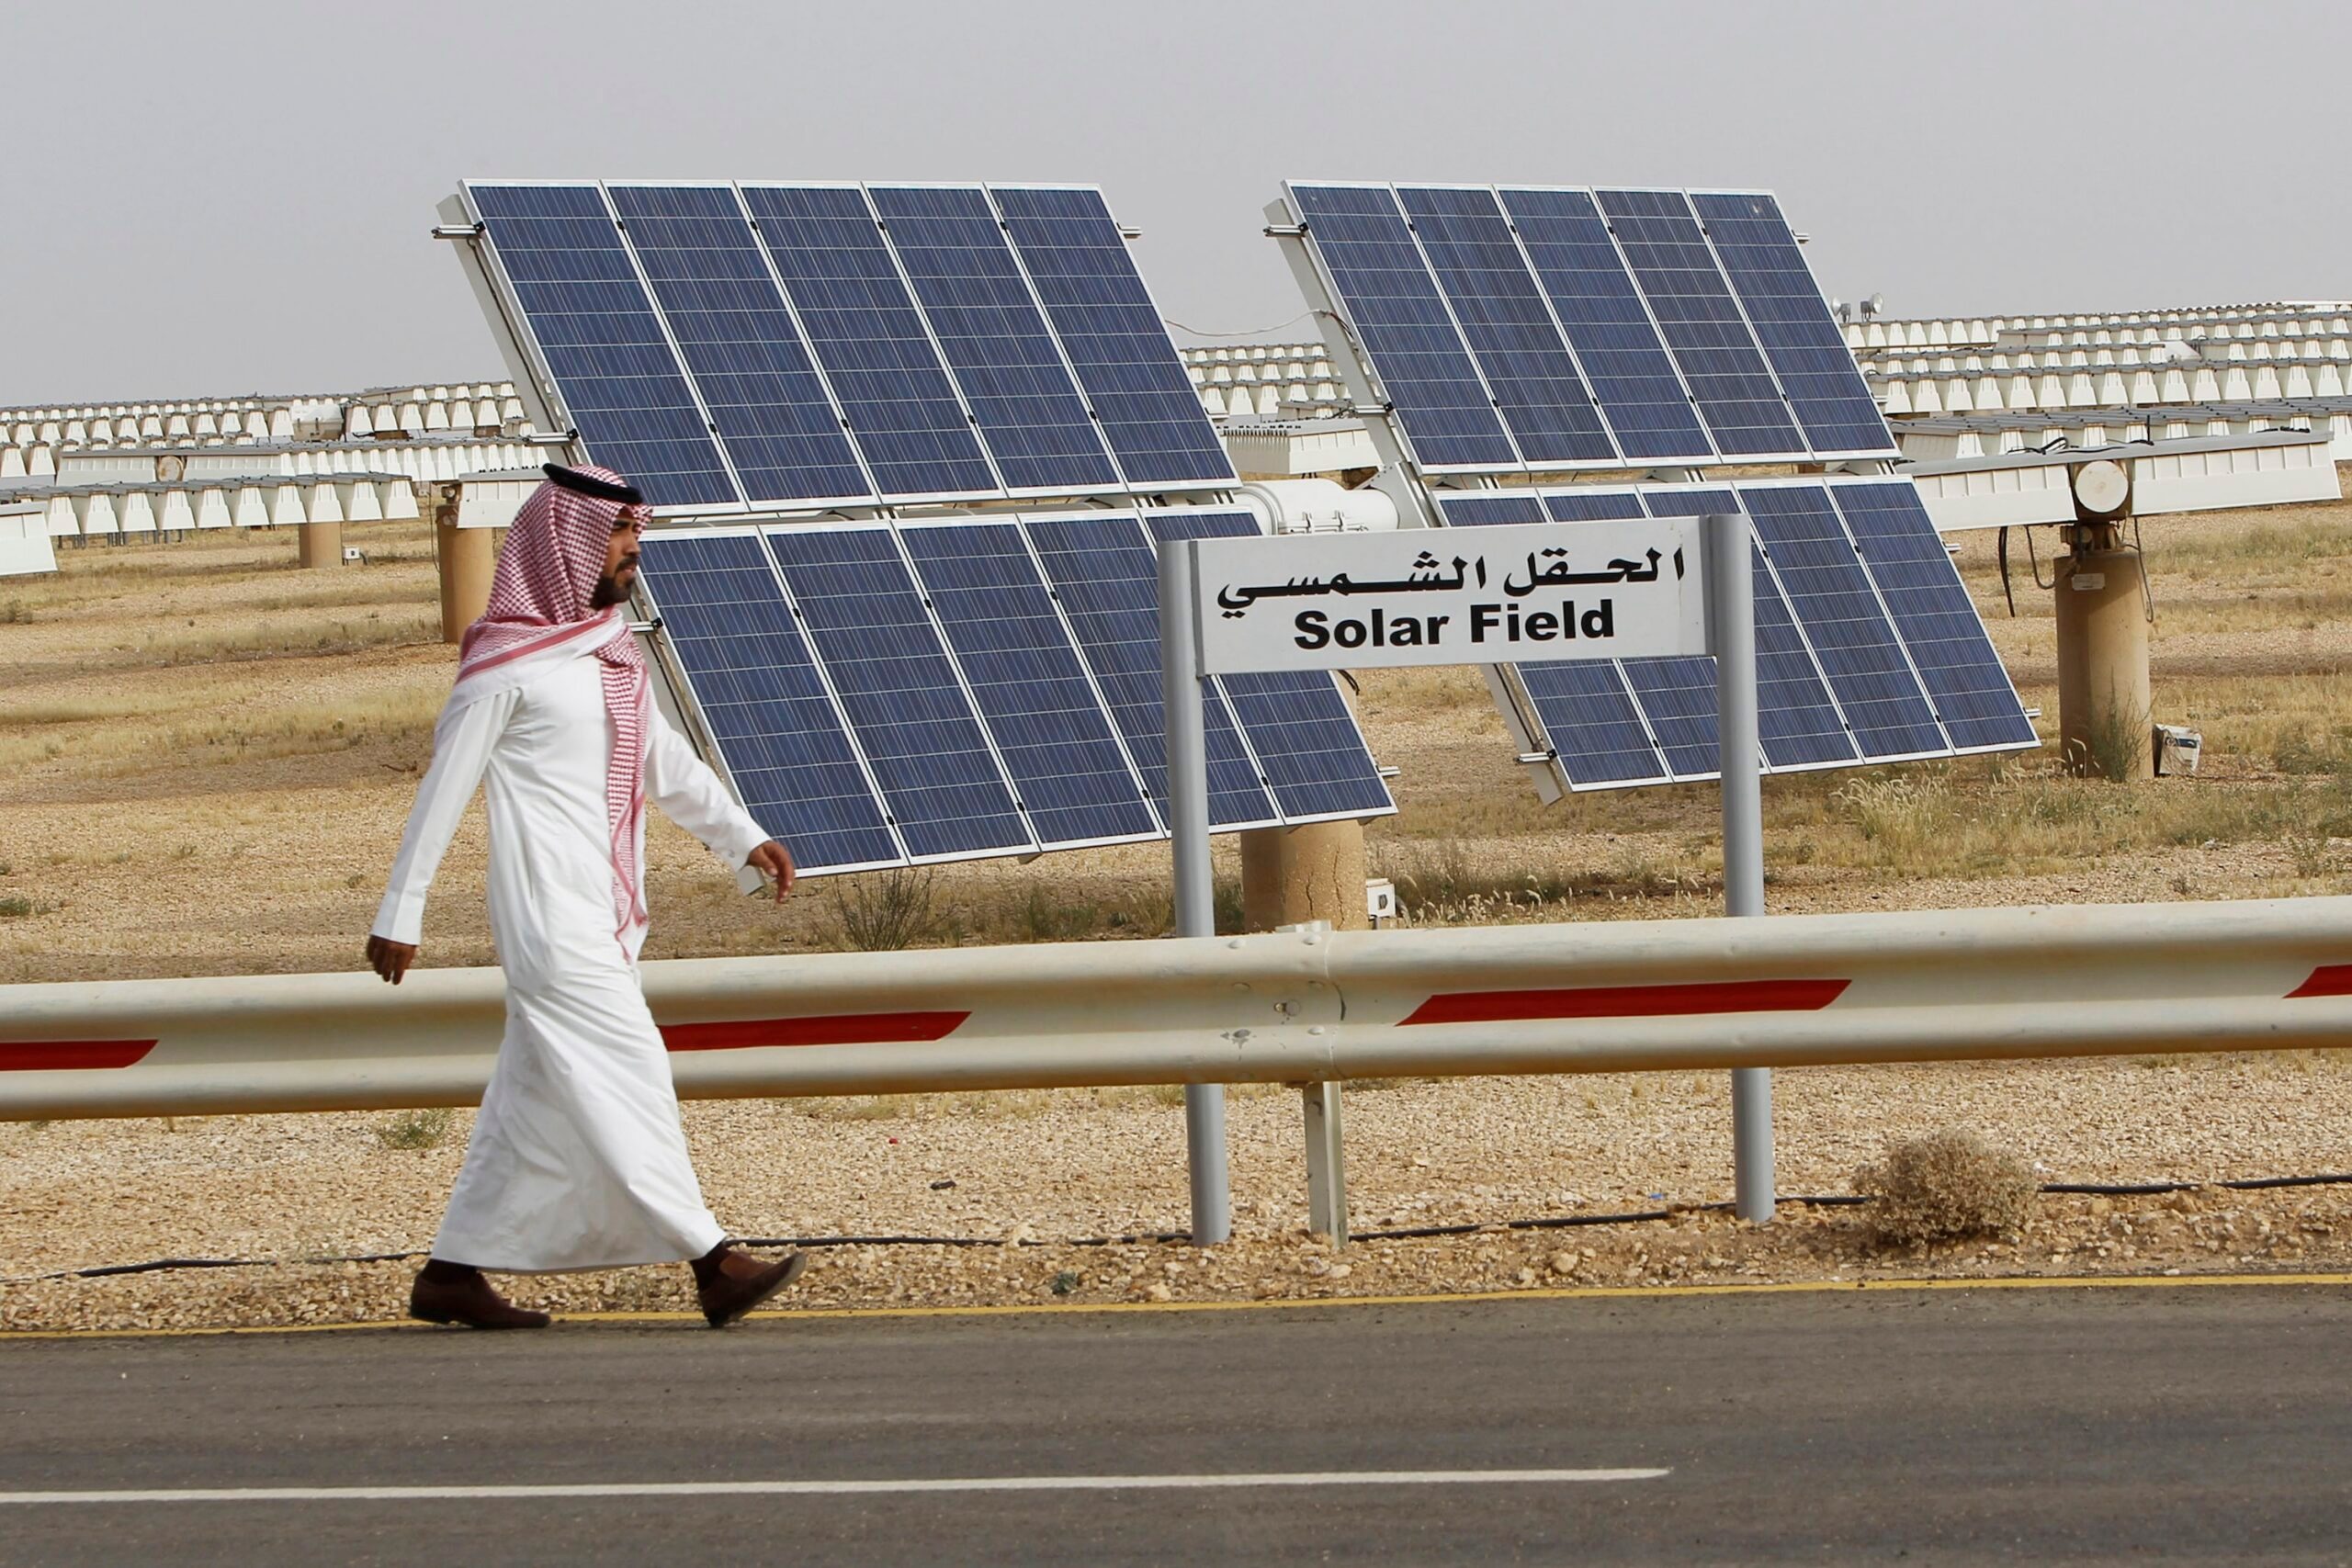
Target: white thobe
{"points": [[578, 1159]]}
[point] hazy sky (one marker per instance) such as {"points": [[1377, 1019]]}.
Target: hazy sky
{"points": [[223, 198]]}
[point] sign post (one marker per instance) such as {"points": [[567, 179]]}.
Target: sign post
{"points": [[1731, 638], [1187, 832], [1629, 589]]}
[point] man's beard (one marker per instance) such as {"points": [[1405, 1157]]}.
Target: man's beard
{"points": [[606, 593]]}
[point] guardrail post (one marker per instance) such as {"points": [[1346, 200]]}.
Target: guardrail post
{"points": [[1326, 1163], [1188, 830], [1729, 577]]}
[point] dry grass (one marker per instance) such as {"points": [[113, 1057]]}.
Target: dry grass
{"points": [[101, 749], [287, 768]]}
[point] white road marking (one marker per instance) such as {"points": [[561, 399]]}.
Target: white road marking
{"points": [[839, 1488]]}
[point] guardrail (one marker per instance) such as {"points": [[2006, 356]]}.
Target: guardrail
{"points": [[1307, 1007]]}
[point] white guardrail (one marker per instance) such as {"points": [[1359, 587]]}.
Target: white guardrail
{"points": [[1290, 1007]]}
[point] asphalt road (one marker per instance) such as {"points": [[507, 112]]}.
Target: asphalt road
{"points": [[2194, 1425]]}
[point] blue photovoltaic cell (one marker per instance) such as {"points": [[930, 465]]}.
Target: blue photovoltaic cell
{"points": [[1590, 722], [1932, 612], [1113, 333], [866, 332], [583, 301], [1695, 309], [760, 697], [1600, 309], [1793, 323], [1507, 325], [739, 345], [1859, 652], [1400, 318], [1472, 511], [1586, 705], [1025, 676], [1107, 579], [1306, 738], [972, 292], [1590, 507], [865, 617], [1795, 719]]}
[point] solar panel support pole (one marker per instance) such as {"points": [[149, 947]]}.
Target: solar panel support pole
{"points": [[1188, 828], [1728, 571]]}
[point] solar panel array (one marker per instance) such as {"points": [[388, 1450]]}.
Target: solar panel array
{"points": [[777, 347], [1539, 329], [888, 695], [1868, 646]]}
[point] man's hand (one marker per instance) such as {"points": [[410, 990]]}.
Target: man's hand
{"points": [[774, 862], [390, 959]]}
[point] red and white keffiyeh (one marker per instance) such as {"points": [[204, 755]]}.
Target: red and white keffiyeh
{"points": [[539, 617]]}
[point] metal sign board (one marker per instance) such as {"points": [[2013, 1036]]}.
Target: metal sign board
{"points": [[1622, 589]]}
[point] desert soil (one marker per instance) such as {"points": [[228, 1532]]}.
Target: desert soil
{"points": [[206, 754]]}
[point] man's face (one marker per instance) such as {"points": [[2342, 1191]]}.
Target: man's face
{"points": [[620, 562]]}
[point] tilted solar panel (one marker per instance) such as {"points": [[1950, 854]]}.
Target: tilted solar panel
{"points": [[1808, 353], [1513, 327], [1399, 315], [1868, 646], [1031, 690], [877, 353], [1906, 559], [1113, 334], [862, 614], [1590, 505], [1507, 325], [597, 332], [1307, 741], [1486, 509], [800, 348], [1600, 309], [1702, 323], [740, 348], [1010, 371], [1107, 580], [1868, 670], [779, 735]]}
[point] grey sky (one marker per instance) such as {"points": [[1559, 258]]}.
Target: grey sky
{"points": [[224, 197]]}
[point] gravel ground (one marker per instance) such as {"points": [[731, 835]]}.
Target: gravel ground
{"points": [[173, 807], [1043, 1171]]}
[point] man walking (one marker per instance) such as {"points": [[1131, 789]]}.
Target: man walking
{"points": [[578, 1159]]}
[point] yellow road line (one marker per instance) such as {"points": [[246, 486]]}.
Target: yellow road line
{"points": [[1554, 1293]]}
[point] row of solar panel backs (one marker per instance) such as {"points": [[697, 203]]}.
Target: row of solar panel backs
{"points": [[884, 696], [1868, 648], [783, 346], [1527, 328]]}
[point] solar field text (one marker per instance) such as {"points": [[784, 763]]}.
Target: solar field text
{"points": [[1624, 588]]}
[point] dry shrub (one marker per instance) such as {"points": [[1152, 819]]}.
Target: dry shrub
{"points": [[425, 1129], [1947, 1185], [886, 911]]}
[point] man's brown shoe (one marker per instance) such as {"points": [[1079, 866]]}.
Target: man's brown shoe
{"points": [[728, 1283], [469, 1301]]}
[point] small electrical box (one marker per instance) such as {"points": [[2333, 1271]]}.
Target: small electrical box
{"points": [[1380, 899], [2178, 750]]}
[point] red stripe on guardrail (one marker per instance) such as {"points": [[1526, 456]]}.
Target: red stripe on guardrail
{"points": [[51, 1055], [1630, 1002], [2327, 980], [830, 1028]]}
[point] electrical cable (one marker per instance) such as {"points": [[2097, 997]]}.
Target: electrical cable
{"points": [[2035, 567], [1255, 332], [1408, 1232]]}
